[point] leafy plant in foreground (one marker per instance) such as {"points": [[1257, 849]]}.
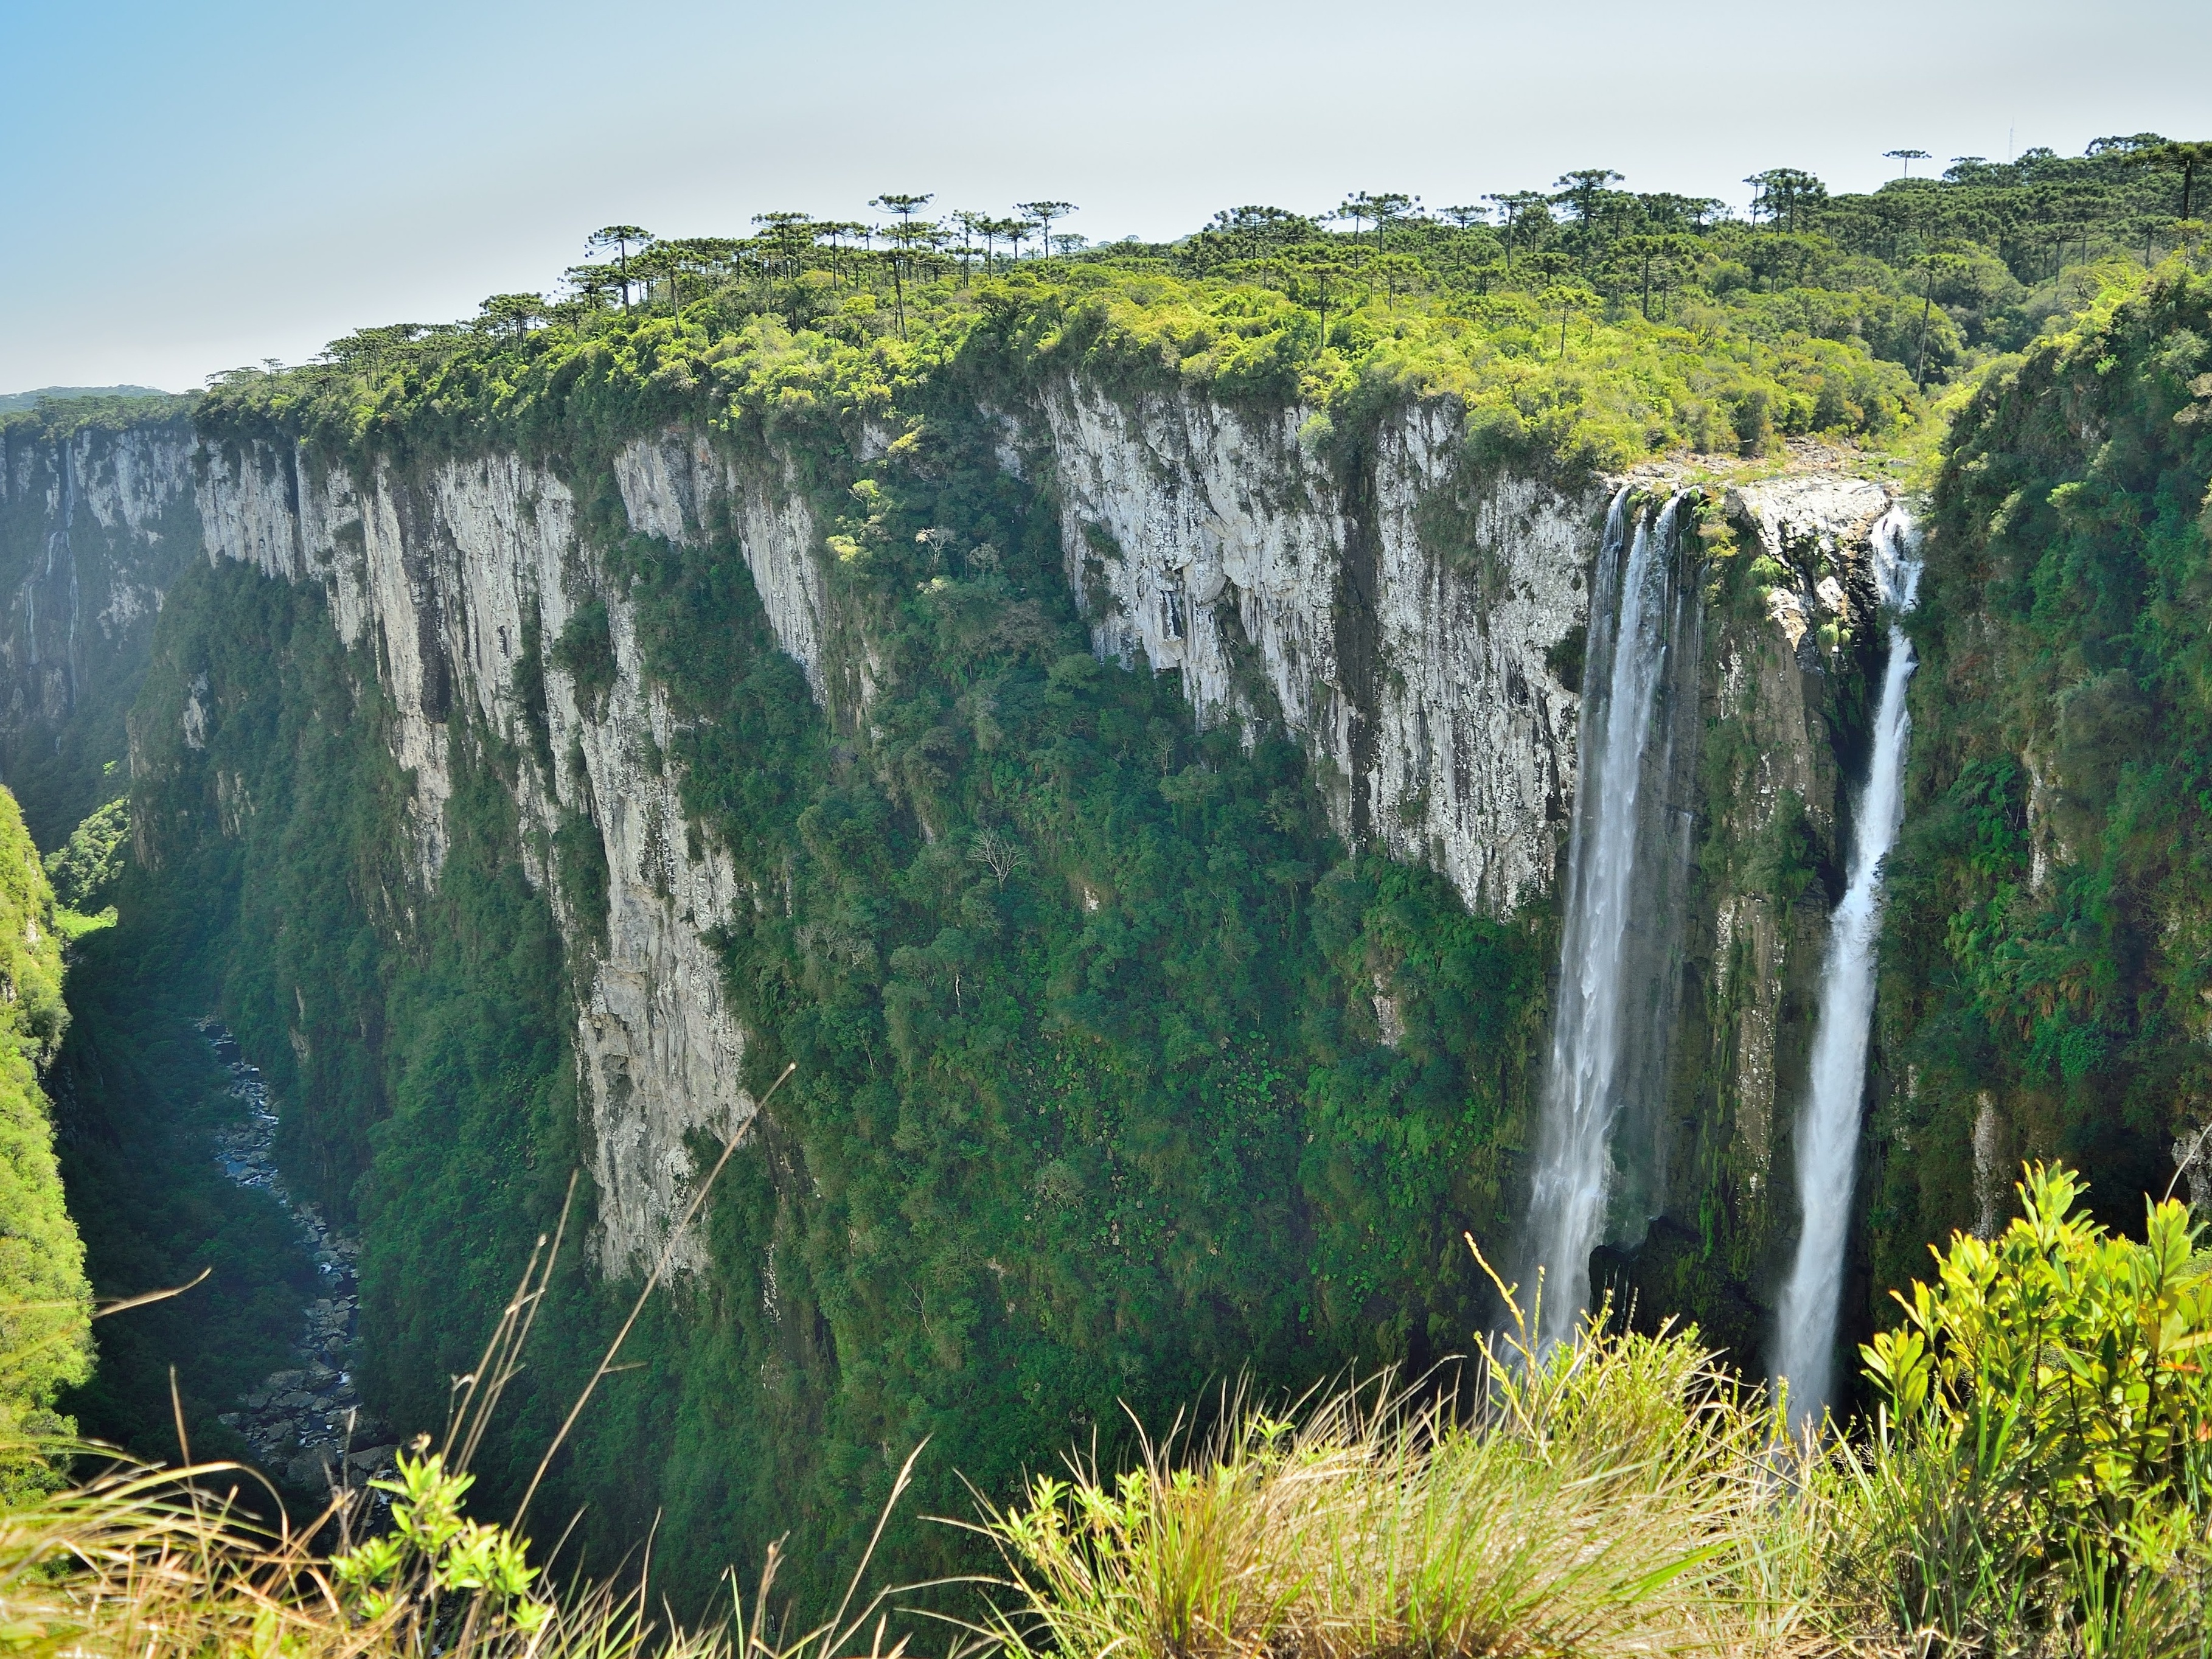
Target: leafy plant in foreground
{"points": [[2045, 1455]]}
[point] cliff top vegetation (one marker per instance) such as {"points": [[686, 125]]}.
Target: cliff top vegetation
{"points": [[44, 417], [1589, 326]]}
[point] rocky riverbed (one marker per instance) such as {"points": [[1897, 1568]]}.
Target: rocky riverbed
{"points": [[305, 1423]]}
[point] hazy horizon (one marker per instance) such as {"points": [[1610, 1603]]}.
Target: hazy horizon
{"points": [[238, 181]]}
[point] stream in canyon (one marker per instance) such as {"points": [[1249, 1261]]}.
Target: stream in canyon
{"points": [[304, 1424], [1828, 1126]]}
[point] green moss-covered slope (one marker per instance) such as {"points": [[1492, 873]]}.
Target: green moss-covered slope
{"points": [[45, 1305], [2047, 970]]}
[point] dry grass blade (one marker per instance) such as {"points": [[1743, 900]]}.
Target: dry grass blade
{"points": [[163, 1564]]}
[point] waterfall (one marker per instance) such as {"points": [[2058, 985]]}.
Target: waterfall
{"points": [[1599, 1043], [1828, 1126]]}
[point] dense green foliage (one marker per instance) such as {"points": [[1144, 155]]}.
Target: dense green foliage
{"points": [[1090, 1095], [84, 869], [138, 1099], [44, 1303], [2049, 1432], [2044, 966], [15, 402]]}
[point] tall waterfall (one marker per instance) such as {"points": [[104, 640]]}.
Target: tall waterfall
{"points": [[1600, 1035], [1828, 1126]]}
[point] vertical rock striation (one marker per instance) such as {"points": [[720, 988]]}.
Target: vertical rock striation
{"points": [[1402, 622], [95, 520], [446, 574]]}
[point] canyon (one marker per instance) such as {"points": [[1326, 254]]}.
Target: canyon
{"points": [[1406, 629], [1412, 625]]}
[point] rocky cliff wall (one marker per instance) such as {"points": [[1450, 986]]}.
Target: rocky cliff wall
{"points": [[1400, 623], [1415, 630], [447, 574], [95, 520], [1418, 680]]}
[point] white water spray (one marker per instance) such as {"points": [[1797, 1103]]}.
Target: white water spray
{"points": [[1828, 1126], [1582, 1093]]}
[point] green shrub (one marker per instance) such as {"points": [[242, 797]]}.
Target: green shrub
{"points": [[84, 867], [2044, 1457], [45, 1305], [585, 652]]}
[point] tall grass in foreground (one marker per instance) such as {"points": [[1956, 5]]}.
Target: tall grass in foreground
{"points": [[166, 1563], [1615, 1494], [2037, 1484], [145, 1563]]}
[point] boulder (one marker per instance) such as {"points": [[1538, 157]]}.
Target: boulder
{"points": [[315, 1469]]}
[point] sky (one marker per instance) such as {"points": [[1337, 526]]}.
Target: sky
{"points": [[194, 185]]}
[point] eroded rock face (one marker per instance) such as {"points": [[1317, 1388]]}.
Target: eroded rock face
{"points": [[1417, 674], [1403, 632], [446, 574], [93, 527], [677, 488]]}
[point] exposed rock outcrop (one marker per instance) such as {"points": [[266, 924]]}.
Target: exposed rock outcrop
{"points": [[1399, 621], [94, 523], [449, 573], [1415, 673]]}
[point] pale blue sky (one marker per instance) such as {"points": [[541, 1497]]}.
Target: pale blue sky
{"points": [[192, 185]]}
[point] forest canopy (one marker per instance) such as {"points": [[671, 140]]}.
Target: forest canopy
{"points": [[1586, 325]]}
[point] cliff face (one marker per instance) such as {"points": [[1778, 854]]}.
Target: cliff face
{"points": [[451, 574], [1417, 634], [1416, 678], [95, 520], [1402, 631]]}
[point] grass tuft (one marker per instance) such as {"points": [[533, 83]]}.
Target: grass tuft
{"points": [[1615, 1494]]}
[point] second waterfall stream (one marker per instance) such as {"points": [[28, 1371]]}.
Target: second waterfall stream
{"points": [[1828, 1126]]}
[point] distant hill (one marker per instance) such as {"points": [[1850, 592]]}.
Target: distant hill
{"points": [[13, 400]]}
